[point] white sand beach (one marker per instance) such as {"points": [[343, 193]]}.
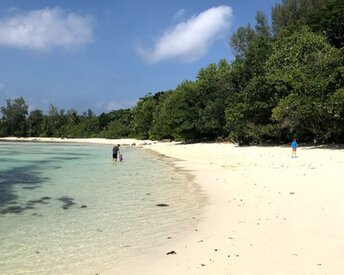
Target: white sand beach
{"points": [[266, 213]]}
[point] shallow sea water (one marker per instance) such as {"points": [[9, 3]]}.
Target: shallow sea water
{"points": [[68, 209]]}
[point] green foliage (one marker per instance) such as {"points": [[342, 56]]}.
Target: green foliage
{"points": [[292, 13], [143, 116], [177, 114], [87, 127], [335, 109], [210, 97], [262, 26], [14, 117], [52, 122], [301, 63], [330, 21], [241, 39], [116, 129], [3, 127], [301, 68], [300, 114], [162, 126], [89, 113], [248, 116], [255, 58], [250, 102], [34, 123], [72, 117], [119, 124]]}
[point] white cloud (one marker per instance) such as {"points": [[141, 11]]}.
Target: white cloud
{"points": [[179, 14], [45, 29], [190, 40]]}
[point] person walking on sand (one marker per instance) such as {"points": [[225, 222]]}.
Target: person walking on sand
{"points": [[293, 148], [115, 151]]}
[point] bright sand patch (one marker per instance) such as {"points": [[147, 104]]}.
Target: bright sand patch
{"points": [[266, 214]]}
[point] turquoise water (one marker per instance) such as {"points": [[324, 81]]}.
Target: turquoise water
{"points": [[68, 209]]}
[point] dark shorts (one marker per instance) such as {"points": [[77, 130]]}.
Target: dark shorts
{"points": [[114, 156]]}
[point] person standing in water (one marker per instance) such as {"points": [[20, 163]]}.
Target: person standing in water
{"points": [[115, 151], [293, 148]]}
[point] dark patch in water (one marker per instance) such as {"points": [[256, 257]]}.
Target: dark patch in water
{"points": [[55, 167], [67, 202], [8, 160], [31, 187], [30, 204], [50, 153], [15, 209], [27, 176], [39, 201], [45, 198], [12, 209], [67, 158], [162, 205]]}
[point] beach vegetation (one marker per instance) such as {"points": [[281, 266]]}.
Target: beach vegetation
{"points": [[285, 80], [142, 121], [13, 121]]}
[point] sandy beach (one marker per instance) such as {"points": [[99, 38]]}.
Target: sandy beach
{"points": [[266, 213]]}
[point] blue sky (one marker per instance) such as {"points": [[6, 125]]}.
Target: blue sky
{"points": [[106, 54]]}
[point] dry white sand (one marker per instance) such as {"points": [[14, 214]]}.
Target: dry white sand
{"points": [[267, 213]]}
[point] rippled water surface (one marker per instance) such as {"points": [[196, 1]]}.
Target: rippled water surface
{"points": [[67, 209]]}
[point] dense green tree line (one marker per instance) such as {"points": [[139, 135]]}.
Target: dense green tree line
{"points": [[16, 121], [286, 80]]}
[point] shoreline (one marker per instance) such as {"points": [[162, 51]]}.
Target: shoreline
{"points": [[126, 142], [266, 213]]}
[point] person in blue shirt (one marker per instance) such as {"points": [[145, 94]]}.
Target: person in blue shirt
{"points": [[293, 148]]}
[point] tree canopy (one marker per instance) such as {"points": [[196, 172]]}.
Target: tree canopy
{"points": [[286, 80]]}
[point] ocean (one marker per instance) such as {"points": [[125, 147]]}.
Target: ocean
{"points": [[68, 209]]}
